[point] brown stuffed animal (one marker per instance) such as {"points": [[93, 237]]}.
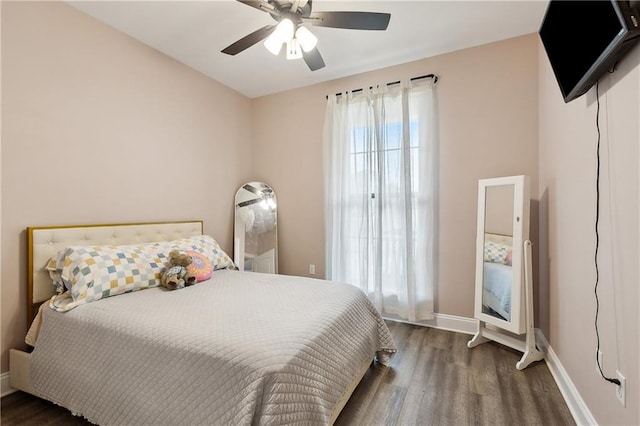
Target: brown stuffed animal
{"points": [[176, 276]]}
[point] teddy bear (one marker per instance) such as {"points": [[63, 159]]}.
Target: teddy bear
{"points": [[176, 275]]}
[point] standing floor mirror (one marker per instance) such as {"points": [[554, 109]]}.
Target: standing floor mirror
{"points": [[503, 289], [255, 245]]}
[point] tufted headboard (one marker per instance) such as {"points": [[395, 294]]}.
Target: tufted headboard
{"points": [[44, 242]]}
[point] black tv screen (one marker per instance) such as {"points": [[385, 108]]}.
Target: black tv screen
{"points": [[584, 39]]}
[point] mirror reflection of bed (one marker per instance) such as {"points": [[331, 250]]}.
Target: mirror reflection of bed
{"points": [[497, 275], [498, 251]]}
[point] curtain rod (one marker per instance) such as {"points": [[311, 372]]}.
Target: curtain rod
{"points": [[435, 80]]}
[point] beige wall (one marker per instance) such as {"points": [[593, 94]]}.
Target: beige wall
{"points": [[488, 99], [100, 128], [89, 110], [567, 158]]}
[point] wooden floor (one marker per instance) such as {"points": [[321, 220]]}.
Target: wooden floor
{"points": [[434, 379]]}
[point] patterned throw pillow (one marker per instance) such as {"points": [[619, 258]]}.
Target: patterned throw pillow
{"points": [[496, 252], [54, 266], [83, 274], [206, 245], [200, 266], [91, 273]]}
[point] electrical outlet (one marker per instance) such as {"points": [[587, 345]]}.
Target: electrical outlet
{"points": [[312, 269], [621, 389], [599, 360]]}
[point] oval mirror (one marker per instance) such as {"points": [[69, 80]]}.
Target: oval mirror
{"points": [[256, 228]]}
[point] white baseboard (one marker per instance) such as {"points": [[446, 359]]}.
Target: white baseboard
{"points": [[447, 322], [576, 404], [455, 323], [5, 388]]}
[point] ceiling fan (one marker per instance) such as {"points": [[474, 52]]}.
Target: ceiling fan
{"points": [[291, 15]]}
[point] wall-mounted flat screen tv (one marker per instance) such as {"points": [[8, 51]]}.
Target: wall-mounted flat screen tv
{"points": [[584, 39]]}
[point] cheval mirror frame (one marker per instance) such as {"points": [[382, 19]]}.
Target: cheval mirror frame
{"points": [[504, 280]]}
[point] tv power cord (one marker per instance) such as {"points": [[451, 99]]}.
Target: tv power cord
{"points": [[608, 379]]}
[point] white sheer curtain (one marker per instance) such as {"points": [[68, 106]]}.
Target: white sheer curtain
{"points": [[380, 164]]}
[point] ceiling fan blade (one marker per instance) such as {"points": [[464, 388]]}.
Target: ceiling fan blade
{"points": [[306, 9], [249, 40], [259, 4], [350, 20], [313, 59]]}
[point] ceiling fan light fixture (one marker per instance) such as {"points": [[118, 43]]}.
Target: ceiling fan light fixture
{"points": [[291, 17], [306, 39], [273, 45], [293, 49], [284, 30], [283, 33]]}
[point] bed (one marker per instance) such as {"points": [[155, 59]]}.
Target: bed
{"points": [[497, 276], [238, 348]]}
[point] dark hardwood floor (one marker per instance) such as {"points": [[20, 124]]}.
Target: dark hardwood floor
{"points": [[434, 379]]}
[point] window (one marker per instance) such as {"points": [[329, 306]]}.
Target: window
{"points": [[380, 169]]}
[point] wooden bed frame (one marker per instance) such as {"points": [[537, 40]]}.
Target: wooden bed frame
{"points": [[44, 242]]}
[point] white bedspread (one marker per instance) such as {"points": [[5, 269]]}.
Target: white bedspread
{"points": [[497, 288], [241, 348]]}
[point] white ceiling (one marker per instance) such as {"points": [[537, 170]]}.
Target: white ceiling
{"points": [[194, 33]]}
